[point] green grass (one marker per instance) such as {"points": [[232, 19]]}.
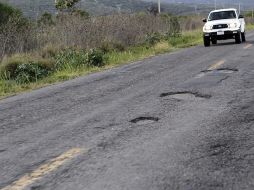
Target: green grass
{"points": [[115, 58], [250, 27]]}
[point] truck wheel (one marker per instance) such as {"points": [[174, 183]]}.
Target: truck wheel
{"points": [[214, 41], [243, 37], [238, 38], [206, 41]]}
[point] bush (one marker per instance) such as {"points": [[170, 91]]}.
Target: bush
{"points": [[49, 51], [184, 40], [16, 33], [70, 58], [107, 47], [46, 19], [6, 12], [96, 58], [178, 41], [26, 68], [80, 13], [175, 29], [153, 38], [30, 72], [9, 14]]}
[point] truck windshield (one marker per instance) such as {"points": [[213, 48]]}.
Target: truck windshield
{"points": [[222, 15]]}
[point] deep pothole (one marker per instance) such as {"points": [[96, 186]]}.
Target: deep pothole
{"points": [[145, 120], [225, 70], [217, 71], [185, 95]]}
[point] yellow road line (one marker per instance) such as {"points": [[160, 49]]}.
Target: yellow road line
{"points": [[248, 46], [216, 65], [43, 170]]}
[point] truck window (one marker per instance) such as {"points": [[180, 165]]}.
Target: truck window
{"points": [[222, 15]]}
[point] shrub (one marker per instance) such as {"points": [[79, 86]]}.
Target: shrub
{"points": [[119, 47], [30, 72], [70, 58], [6, 12], [185, 40], [80, 13], [178, 40], [16, 33], [46, 19], [107, 47], [65, 4], [175, 29], [153, 38], [49, 51], [96, 58], [26, 68]]}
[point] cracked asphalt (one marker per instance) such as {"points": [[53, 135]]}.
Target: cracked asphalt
{"points": [[164, 123]]}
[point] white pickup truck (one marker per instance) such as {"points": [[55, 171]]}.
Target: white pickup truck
{"points": [[224, 24]]}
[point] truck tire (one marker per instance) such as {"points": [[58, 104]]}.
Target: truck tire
{"points": [[214, 41], [238, 38], [207, 42], [243, 37]]}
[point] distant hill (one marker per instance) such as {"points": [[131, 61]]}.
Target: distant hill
{"points": [[247, 4], [34, 8], [244, 2]]}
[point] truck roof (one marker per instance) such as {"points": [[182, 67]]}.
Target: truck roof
{"points": [[219, 10]]}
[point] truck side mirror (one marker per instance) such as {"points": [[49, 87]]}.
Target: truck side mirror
{"points": [[204, 20], [241, 16]]}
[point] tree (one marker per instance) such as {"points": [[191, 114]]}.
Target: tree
{"points": [[6, 12], [46, 19], [65, 4], [153, 9], [80, 13]]}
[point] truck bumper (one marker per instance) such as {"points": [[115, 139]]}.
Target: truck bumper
{"points": [[222, 36]]}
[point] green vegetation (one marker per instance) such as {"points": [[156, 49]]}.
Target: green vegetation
{"points": [[6, 12], [23, 72], [65, 4], [10, 14], [45, 19], [24, 68], [250, 27]]}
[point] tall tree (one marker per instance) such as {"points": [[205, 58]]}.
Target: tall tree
{"points": [[65, 4]]}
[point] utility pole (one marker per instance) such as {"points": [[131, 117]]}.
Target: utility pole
{"points": [[159, 6], [215, 4], [239, 8]]}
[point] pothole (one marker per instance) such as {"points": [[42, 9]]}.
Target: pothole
{"points": [[144, 120], [225, 70], [38, 187], [221, 70], [218, 149], [185, 95], [2, 150]]}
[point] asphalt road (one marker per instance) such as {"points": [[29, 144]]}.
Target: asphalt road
{"points": [[183, 120]]}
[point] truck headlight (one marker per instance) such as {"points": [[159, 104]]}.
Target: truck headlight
{"points": [[208, 27], [234, 25]]}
